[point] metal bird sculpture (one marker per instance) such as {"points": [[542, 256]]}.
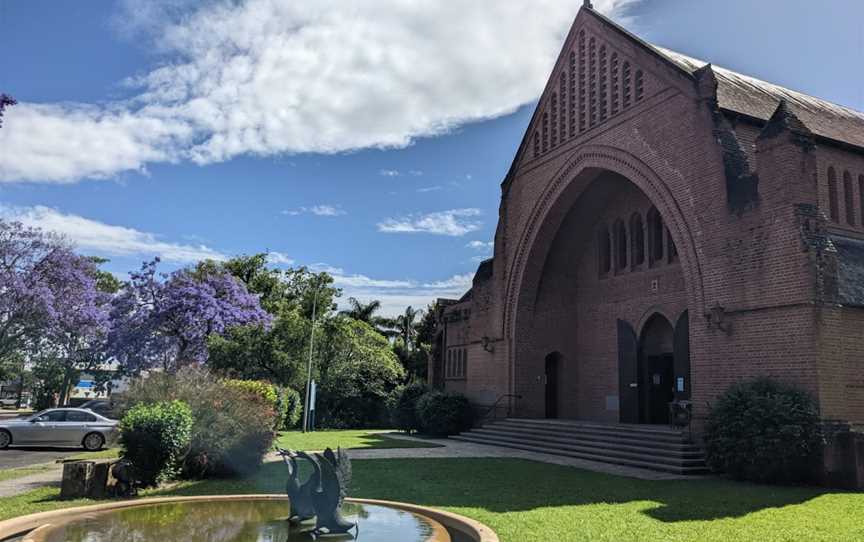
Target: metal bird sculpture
{"points": [[299, 495], [322, 494], [335, 476]]}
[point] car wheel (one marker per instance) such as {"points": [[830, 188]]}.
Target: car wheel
{"points": [[5, 439], [93, 442]]}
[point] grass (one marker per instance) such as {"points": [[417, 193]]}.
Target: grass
{"points": [[319, 440], [107, 453], [525, 501], [21, 472]]}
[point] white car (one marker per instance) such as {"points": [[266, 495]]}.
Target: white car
{"points": [[59, 427]]}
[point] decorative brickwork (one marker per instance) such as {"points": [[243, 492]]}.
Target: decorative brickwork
{"points": [[641, 194]]}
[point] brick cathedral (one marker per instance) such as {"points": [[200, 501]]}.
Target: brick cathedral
{"points": [[667, 228]]}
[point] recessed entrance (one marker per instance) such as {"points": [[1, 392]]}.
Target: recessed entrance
{"points": [[553, 361], [656, 370]]}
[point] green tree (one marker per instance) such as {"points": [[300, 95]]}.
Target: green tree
{"points": [[366, 312]]}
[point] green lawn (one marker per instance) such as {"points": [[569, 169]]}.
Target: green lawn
{"points": [[526, 501], [319, 440], [11, 474]]}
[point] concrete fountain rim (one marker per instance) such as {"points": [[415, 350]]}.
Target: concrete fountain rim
{"points": [[30, 523]]}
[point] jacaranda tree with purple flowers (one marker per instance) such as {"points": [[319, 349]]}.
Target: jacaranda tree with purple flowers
{"points": [[50, 306], [164, 320]]}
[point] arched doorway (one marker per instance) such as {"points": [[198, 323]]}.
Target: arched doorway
{"points": [[552, 371], [656, 370], [562, 296]]}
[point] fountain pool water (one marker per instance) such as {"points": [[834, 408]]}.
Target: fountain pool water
{"points": [[239, 520]]}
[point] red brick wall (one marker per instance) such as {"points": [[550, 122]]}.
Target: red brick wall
{"points": [[758, 264]]}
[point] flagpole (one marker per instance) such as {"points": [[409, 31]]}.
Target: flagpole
{"points": [[306, 403]]}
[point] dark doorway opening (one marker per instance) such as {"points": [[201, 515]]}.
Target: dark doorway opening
{"points": [[553, 362], [656, 371]]}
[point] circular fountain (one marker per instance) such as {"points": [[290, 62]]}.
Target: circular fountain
{"points": [[238, 518]]}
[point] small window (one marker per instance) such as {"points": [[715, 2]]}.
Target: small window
{"points": [[76, 416], [620, 246], [832, 195], [848, 198], [640, 85], [655, 235], [637, 240], [604, 250]]}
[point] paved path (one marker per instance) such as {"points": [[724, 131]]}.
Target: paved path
{"points": [[454, 448], [25, 456], [17, 486], [447, 449]]}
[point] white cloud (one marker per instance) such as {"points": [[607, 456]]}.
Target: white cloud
{"points": [[265, 77], [389, 173], [455, 222], [91, 236], [429, 189], [481, 245], [317, 210], [395, 295], [279, 258]]}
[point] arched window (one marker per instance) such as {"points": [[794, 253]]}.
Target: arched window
{"points": [[671, 248], [625, 85], [604, 250], [464, 363], [562, 119], [620, 232], [572, 94], [545, 129], [604, 79], [861, 198], [554, 120], [848, 198], [655, 235], [592, 76], [615, 83], [833, 212], [637, 240]]}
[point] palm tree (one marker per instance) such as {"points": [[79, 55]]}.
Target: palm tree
{"points": [[365, 312], [406, 325]]}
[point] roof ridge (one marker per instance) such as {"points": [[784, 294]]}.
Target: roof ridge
{"points": [[671, 54]]}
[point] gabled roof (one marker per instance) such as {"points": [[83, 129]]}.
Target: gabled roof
{"points": [[743, 95], [759, 99]]}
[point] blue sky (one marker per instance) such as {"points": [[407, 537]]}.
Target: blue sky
{"points": [[367, 137]]}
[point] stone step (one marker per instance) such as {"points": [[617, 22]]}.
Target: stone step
{"points": [[603, 442], [658, 430], [650, 465], [631, 432], [668, 459], [588, 434]]}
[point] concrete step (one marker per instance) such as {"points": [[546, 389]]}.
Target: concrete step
{"points": [[633, 430], [645, 446], [600, 436], [617, 453], [650, 447], [650, 465]]}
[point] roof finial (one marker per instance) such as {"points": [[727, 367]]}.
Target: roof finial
{"points": [[587, 4]]}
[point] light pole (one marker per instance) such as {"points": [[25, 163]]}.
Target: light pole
{"points": [[306, 403]]}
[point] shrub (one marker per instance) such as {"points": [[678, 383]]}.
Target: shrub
{"points": [[404, 412], [442, 414], [763, 431], [265, 390], [234, 424], [155, 437], [290, 408]]}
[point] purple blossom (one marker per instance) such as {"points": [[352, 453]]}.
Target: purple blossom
{"points": [[48, 296], [165, 323]]}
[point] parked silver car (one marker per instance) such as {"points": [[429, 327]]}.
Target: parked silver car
{"points": [[59, 427]]}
